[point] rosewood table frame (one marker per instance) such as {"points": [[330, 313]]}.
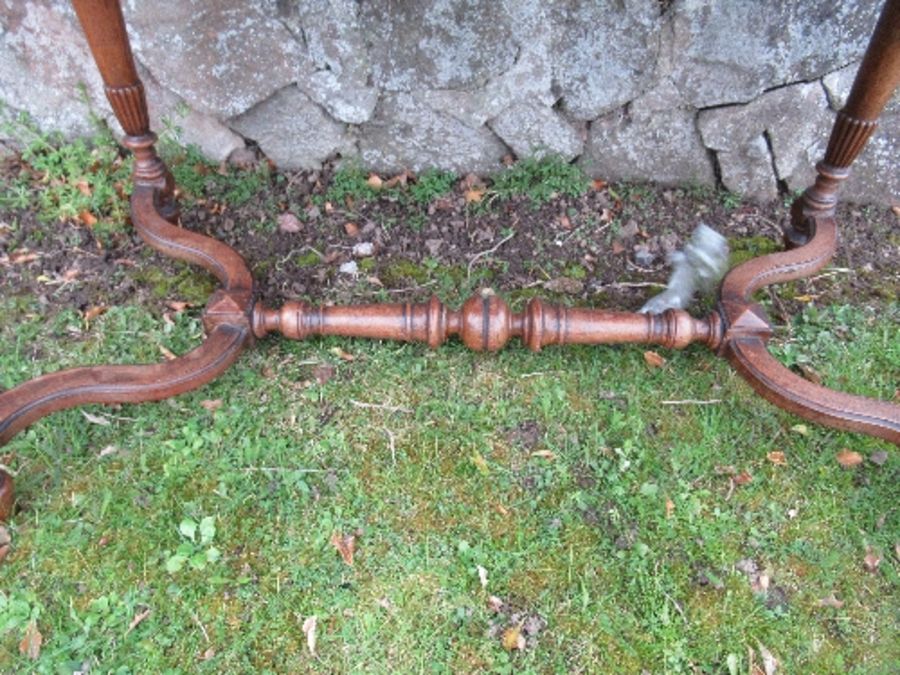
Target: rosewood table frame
{"points": [[738, 329]]}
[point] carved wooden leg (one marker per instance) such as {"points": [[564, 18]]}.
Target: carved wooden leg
{"points": [[876, 80]]}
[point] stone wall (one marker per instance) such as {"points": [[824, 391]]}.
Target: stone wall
{"points": [[677, 91]]}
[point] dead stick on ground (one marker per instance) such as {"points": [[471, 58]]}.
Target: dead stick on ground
{"points": [[381, 406], [493, 249], [692, 401]]}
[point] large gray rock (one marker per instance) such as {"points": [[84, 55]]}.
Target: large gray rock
{"points": [[732, 51], [293, 131], [777, 137], [605, 53], [336, 70], [437, 44], [221, 57], [168, 111], [406, 133], [655, 136], [533, 130], [46, 69]]}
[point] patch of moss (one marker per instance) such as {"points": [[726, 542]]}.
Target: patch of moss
{"points": [[186, 284], [404, 270], [307, 259], [367, 264], [745, 248]]}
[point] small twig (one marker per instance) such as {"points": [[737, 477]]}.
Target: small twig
{"points": [[280, 264], [408, 289], [581, 227], [830, 273], [676, 605], [276, 469], [692, 401], [381, 406], [390, 436], [493, 249], [632, 284], [202, 627]]}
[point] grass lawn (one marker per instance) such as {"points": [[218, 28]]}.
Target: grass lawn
{"points": [[507, 513]]}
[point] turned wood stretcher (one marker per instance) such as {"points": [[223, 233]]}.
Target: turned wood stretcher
{"points": [[738, 329]]}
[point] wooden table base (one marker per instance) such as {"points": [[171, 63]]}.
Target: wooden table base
{"points": [[738, 329]]}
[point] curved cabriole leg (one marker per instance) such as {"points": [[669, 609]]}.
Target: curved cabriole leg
{"points": [[153, 212], [812, 241]]}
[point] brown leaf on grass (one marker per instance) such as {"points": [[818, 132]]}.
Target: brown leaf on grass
{"points": [[352, 229], [831, 601], [513, 638], [495, 604], [654, 360], [342, 355], [474, 195], [670, 508], [208, 653], [289, 223], [546, 454], [23, 256], [323, 373], [167, 353], [770, 663], [136, 621], [211, 404], [777, 458], [742, 478], [896, 210], [848, 458], [30, 645], [598, 184], [83, 187], [92, 313], [618, 247], [177, 305], [871, 561], [374, 181], [88, 218], [345, 545], [309, 630], [724, 469], [809, 373], [400, 179], [564, 221]]}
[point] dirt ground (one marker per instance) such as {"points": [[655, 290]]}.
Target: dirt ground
{"points": [[606, 248]]}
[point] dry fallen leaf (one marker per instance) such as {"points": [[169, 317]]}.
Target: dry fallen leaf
{"points": [[618, 247], [30, 645], [323, 373], [108, 450], [495, 604], [83, 187], [342, 355], [809, 373], [848, 458], [167, 353], [211, 404], [831, 601], [92, 313], [87, 218], [742, 478], [289, 223], [513, 638], [352, 229], [564, 222], [871, 561], [670, 508], [96, 419], [345, 545], [474, 195], [208, 653], [140, 616], [309, 629], [598, 184], [546, 454], [654, 360], [482, 576], [177, 305], [770, 663], [23, 256], [777, 458]]}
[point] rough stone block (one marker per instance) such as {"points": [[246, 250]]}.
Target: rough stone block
{"points": [[653, 138], [406, 133], [536, 131], [293, 131]]}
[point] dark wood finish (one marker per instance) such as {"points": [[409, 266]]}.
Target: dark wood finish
{"points": [[738, 329], [875, 83], [485, 323]]}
